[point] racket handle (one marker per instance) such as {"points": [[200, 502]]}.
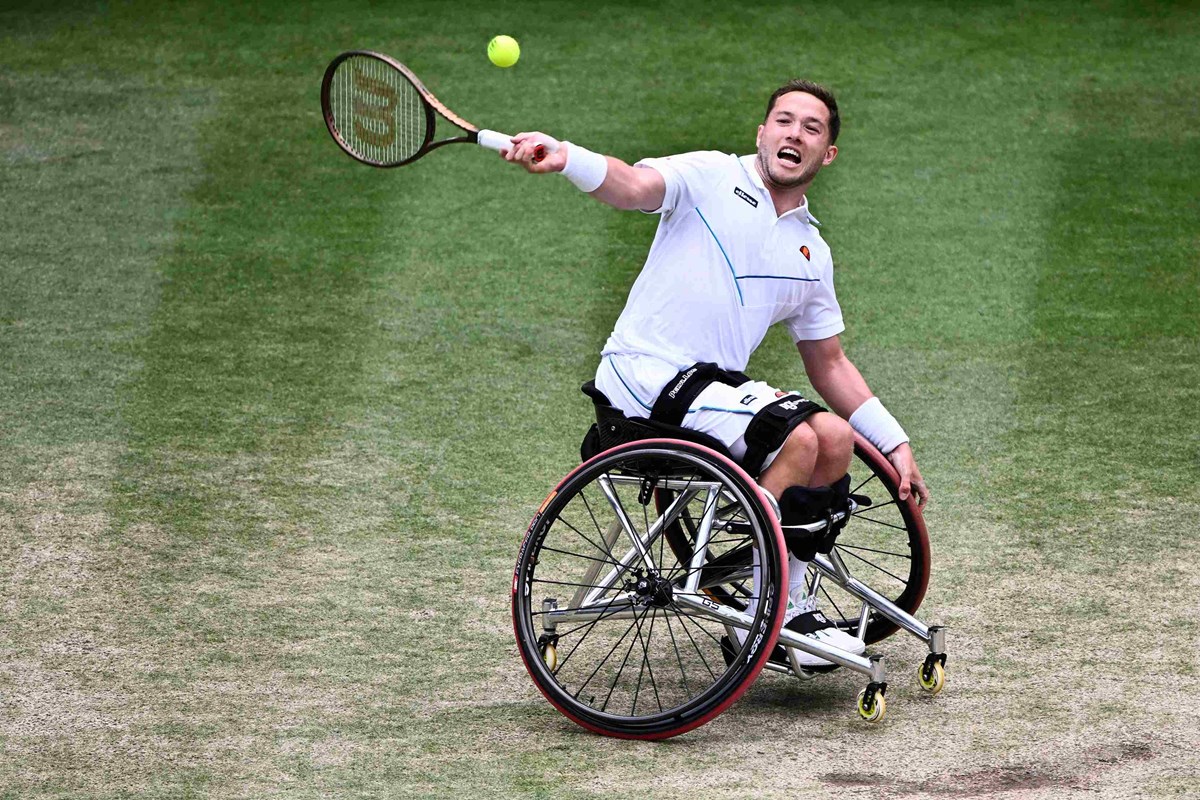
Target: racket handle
{"points": [[494, 140]]}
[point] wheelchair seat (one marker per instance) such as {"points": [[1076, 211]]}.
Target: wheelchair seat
{"points": [[613, 428]]}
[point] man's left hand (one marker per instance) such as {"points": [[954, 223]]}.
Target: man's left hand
{"points": [[910, 475]]}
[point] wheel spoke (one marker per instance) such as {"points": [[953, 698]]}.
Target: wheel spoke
{"points": [[880, 522], [877, 567], [591, 626], [580, 555], [905, 556], [683, 624], [646, 666], [606, 550], [833, 602], [624, 661], [678, 655], [864, 483], [876, 506], [604, 660]]}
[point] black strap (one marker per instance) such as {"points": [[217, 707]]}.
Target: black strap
{"points": [[677, 396], [769, 428]]}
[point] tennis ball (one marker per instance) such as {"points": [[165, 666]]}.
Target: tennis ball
{"points": [[504, 51]]}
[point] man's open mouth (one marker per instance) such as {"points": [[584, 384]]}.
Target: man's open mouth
{"points": [[789, 155]]}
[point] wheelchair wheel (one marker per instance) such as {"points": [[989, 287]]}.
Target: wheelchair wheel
{"points": [[617, 631], [885, 545]]}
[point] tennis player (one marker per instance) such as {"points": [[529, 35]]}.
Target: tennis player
{"points": [[737, 250]]}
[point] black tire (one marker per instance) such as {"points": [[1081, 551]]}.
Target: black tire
{"points": [[636, 661]]}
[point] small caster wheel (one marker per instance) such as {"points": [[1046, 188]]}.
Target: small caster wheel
{"points": [[932, 676], [550, 656], [871, 705]]}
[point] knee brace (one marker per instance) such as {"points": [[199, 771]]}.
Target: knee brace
{"points": [[800, 505]]}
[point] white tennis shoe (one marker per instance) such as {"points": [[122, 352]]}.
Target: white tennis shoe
{"points": [[805, 619]]}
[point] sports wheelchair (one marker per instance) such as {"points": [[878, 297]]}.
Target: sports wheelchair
{"points": [[650, 588]]}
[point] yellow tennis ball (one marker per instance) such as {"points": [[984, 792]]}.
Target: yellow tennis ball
{"points": [[504, 51]]}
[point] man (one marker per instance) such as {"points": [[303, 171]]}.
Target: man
{"points": [[737, 251]]}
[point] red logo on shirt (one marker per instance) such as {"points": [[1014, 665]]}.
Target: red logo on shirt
{"points": [[804, 249]]}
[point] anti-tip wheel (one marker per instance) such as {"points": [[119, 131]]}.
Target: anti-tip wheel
{"points": [[550, 656], [873, 709], [932, 676]]}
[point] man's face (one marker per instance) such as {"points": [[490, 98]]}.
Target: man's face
{"points": [[793, 142]]}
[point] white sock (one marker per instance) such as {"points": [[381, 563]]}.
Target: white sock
{"points": [[798, 583]]}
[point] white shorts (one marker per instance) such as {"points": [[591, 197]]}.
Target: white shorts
{"points": [[633, 383]]}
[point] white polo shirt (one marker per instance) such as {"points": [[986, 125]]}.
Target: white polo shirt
{"points": [[723, 269]]}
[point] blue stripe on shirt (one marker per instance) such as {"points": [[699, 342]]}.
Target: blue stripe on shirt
{"points": [[736, 285], [778, 278], [726, 410], [632, 393]]}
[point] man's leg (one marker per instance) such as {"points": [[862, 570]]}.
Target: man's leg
{"points": [[816, 453], [794, 464], [835, 448]]}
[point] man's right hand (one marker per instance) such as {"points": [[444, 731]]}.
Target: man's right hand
{"points": [[524, 147]]}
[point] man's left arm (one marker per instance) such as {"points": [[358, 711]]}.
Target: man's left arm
{"points": [[843, 389]]}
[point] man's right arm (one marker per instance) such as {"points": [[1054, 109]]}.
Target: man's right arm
{"points": [[631, 188], [624, 187]]}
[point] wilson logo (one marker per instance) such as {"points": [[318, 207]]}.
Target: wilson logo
{"points": [[374, 103], [742, 194]]}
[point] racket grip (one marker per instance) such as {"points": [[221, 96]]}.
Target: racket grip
{"points": [[493, 140]]}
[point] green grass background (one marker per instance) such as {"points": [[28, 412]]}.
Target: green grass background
{"points": [[272, 422]]}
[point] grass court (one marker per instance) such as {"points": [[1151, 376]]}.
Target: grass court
{"points": [[272, 423]]}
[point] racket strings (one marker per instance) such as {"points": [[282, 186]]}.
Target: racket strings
{"points": [[378, 114]]}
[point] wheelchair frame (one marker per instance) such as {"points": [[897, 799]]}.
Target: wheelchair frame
{"points": [[629, 584]]}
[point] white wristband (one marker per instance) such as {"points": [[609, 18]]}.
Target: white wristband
{"points": [[878, 426], [584, 168]]}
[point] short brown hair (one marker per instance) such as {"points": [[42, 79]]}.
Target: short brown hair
{"points": [[816, 90]]}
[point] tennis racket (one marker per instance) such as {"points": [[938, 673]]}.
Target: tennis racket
{"points": [[381, 114]]}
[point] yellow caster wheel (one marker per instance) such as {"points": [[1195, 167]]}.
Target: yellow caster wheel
{"points": [[550, 656], [871, 706], [932, 677]]}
